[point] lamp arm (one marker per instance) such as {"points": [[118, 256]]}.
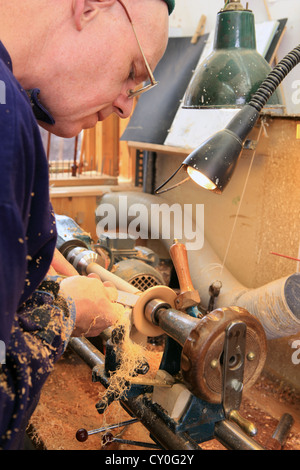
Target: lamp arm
{"points": [[246, 118], [273, 80]]}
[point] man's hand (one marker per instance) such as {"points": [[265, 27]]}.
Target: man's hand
{"points": [[94, 301], [61, 266]]}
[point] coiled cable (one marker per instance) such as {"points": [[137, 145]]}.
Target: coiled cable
{"points": [[273, 80]]}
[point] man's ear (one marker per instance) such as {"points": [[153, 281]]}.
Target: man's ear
{"points": [[85, 10]]}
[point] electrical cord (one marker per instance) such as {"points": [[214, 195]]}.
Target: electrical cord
{"points": [[273, 80]]}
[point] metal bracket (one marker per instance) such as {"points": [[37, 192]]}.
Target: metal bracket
{"points": [[233, 375], [233, 366], [250, 144]]}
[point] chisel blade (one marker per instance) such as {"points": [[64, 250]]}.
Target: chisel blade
{"points": [[127, 298]]}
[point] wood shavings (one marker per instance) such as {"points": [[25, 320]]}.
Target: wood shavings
{"points": [[129, 356]]}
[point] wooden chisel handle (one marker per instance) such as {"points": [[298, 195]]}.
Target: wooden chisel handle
{"points": [[188, 295], [180, 261]]}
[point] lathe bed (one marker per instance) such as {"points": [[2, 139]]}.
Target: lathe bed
{"points": [[68, 403]]}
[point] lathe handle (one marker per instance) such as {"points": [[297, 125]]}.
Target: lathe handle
{"points": [[180, 261], [188, 297]]}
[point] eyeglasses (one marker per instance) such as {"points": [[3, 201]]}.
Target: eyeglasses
{"points": [[153, 82]]}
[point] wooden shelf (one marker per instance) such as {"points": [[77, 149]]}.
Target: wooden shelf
{"points": [[160, 148], [89, 190], [90, 178]]}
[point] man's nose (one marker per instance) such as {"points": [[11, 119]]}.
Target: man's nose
{"points": [[123, 106]]}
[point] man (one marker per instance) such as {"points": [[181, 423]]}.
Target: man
{"points": [[70, 63]]}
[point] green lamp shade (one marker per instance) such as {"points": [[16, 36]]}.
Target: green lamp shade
{"points": [[233, 72]]}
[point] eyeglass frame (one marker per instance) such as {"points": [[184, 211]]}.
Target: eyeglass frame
{"points": [[131, 93]]}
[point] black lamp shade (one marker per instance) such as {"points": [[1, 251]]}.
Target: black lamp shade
{"points": [[217, 157]]}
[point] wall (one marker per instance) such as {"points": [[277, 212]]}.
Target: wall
{"points": [[80, 206]]}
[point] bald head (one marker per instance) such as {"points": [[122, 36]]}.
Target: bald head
{"points": [[83, 54]]}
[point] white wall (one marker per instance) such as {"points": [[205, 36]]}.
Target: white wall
{"points": [[187, 13]]}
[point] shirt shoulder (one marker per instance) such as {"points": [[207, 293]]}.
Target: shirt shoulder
{"points": [[15, 107], [20, 138]]}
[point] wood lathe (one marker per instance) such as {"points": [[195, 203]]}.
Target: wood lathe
{"points": [[210, 358]]}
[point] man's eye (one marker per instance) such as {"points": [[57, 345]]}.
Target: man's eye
{"points": [[131, 75]]}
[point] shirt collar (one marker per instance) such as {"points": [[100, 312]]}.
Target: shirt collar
{"points": [[4, 55], [40, 112], [38, 109]]}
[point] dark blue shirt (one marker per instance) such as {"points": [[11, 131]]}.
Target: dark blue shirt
{"points": [[34, 322]]}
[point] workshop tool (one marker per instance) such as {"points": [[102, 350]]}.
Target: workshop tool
{"points": [[160, 426], [209, 359], [139, 406], [109, 438], [82, 435], [199, 420], [188, 299], [207, 363], [280, 435], [200, 30]]}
